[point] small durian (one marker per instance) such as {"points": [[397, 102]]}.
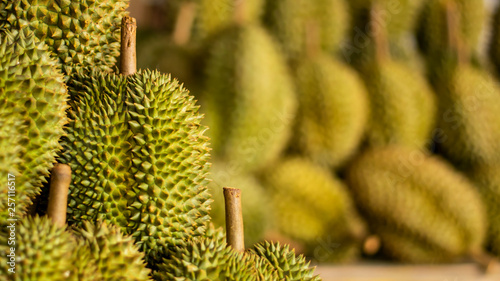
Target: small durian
{"points": [[333, 110], [79, 33], [311, 206], [249, 98], [420, 207]]}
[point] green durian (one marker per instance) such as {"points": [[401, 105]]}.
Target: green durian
{"points": [[403, 105], [311, 206], [422, 209], [254, 200], [43, 251], [139, 158], [249, 98], [487, 179], [293, 22], [33, 97], [288, 265], [115, 254], [78, 33], [469, 127], [333, 110]]}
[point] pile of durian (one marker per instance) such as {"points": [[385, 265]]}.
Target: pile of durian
{"points": [[344, 121], [139, 205]]}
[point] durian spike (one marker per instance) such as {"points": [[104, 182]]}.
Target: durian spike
{"points": [[58, 196], [488, 263], [379, 33], [371, 245], [184, 23], [234, 219], [453, 25], [128, 60]]}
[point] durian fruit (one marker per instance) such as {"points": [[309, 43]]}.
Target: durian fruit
{"points": [[422, 209], [291, 22], [78, 33], [333, 110], [43, 251], [311, 206], [467, 18], [33, 98], [255, 202], [469, 126], [494, 47], [116, 255], [249, 98], [138, 158], [288, 266], [487, 180], [403, 106]]}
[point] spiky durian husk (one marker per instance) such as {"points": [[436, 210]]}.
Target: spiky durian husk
{"points": [[33, 99], [333, 110], [139, 158], [43, 251], [115, 254], [469, 124], [311, 206], [292, 22], [421, 208], [403, 106], [78, 33], [249, 99], [288, 265], [254, 200], [433, 28], [487, 179]]}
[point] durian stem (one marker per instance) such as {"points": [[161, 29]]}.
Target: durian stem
{"points": [[239, 11], [312, 38], [488, 263], [128, 60], [371, 245], [234, 219], [453, 25], [184, 23], [379, 34], [60, 180]]}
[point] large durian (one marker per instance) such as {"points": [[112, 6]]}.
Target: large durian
{"points": [[312, 207], [293, 21], [255, 201], [333, 110], [421, 208], [138, 156], [33, 98], [78, 33], [248, 99]]}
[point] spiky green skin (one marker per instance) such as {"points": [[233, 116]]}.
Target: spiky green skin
{"points": [[311, 206], [494, 48], [33, 99], [469, 125], [78, 33], [209, 259], [292, 22], [43, 251], [289, 266], [333, 110], [487, 180], [139, 158], [255, 202], [421, 208], [433, 27], [403, 106], [249, 99], [116, 255]]}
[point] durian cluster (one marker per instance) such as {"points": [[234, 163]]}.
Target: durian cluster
{"points": [[138, 204], [344, 119]]}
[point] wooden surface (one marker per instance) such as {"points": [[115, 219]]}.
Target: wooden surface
{"points": [[380, 272]]}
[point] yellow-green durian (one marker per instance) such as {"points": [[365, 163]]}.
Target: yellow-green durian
{"points": [[423, 210]]}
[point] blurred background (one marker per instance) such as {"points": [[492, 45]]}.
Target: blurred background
{"points": [[357, 130]]}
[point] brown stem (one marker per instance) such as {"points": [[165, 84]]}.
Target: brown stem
{"points": [[312, 38], [184, 23], [128, 60], [453, 27], [488, 263], [58, 196], [234, 219], [371, 245], [379, 33], [239, 11]]}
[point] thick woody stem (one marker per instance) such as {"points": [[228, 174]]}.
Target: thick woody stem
{"points": [[239, 11], [488, 263], [371, 245], [379, 30], [58, 196], [184, 23], [234, 219], [453, 26], [128, 60]]}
